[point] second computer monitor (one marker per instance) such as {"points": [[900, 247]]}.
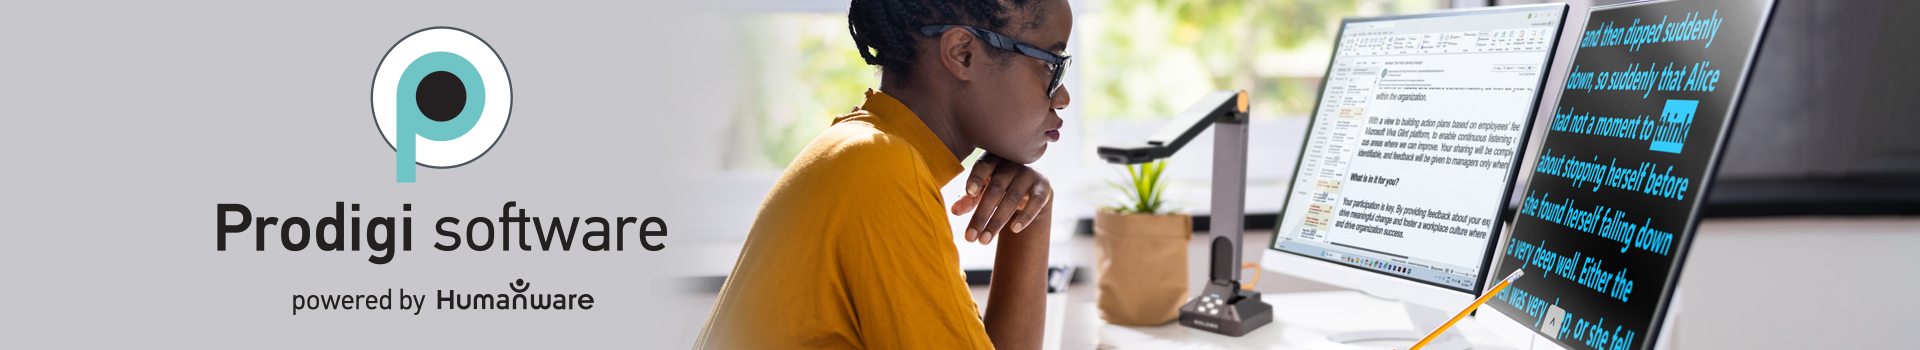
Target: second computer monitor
{"points": [[1411, 151]]}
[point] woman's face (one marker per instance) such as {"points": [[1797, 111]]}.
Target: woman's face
{"points": [[1006, 110]]}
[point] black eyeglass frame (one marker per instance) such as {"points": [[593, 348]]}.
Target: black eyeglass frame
{"points": [[1055, 62]]}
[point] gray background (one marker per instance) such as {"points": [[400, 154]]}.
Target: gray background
{"points": [[125, 123]]}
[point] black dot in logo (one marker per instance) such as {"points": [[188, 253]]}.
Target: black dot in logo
{"points": [[441, 96]]}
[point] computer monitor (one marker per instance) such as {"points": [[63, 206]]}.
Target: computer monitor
{"points": [[1609, 213], [1410, 151]]}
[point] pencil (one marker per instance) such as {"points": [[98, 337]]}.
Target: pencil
{"points": [[1476, 304]]}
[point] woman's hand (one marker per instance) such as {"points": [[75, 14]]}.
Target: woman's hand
{"points": [[1002, 194]]}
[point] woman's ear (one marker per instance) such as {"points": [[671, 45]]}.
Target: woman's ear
{"points": [[957, 53]]}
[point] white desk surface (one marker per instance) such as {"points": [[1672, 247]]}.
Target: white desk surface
{"points": [[1299, 320], [1303, 311]]}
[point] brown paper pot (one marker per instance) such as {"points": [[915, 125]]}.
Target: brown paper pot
{"points": [[1142, 266]]}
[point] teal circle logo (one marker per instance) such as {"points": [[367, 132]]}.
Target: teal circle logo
{"points": [[441, 98]]}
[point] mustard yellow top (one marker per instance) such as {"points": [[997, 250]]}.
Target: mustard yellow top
{"points": [[851, 249]]}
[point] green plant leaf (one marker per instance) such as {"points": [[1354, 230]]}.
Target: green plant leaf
{"points": [[1143, 192]]}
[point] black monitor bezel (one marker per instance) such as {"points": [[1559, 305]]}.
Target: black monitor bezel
{"points": [[1684, 247]]}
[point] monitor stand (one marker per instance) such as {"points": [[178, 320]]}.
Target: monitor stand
{"points": [[1425, 319]]}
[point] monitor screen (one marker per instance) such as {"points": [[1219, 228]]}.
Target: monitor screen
{"points": [[1606, 219], [1415, 140]]}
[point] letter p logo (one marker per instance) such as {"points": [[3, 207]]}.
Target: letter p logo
{"points": [[441, 98]]}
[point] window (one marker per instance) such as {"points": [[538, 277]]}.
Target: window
{"points": [[801, 70]]}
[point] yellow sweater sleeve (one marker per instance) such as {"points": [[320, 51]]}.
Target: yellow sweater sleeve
{"points": [[851, 249], [904, 274]]}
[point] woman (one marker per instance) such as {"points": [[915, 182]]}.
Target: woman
{"points": [[852, 249]]}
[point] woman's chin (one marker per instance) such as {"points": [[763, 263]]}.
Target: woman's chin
{"points": [[1023, 154], [1033, 156]]}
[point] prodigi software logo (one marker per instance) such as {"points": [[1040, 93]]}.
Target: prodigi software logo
{"points": [[441, 98]]}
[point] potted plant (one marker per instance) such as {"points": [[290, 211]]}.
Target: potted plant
{"points": [[1142, 252]]}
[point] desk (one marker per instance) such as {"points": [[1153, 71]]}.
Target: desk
{"points": [[1303, 311], [1299, 320]]}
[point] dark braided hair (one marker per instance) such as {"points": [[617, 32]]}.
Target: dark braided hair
{"points": [[891, 28]]}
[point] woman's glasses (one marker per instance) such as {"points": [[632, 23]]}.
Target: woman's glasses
{"points": [[1056, 63]]}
